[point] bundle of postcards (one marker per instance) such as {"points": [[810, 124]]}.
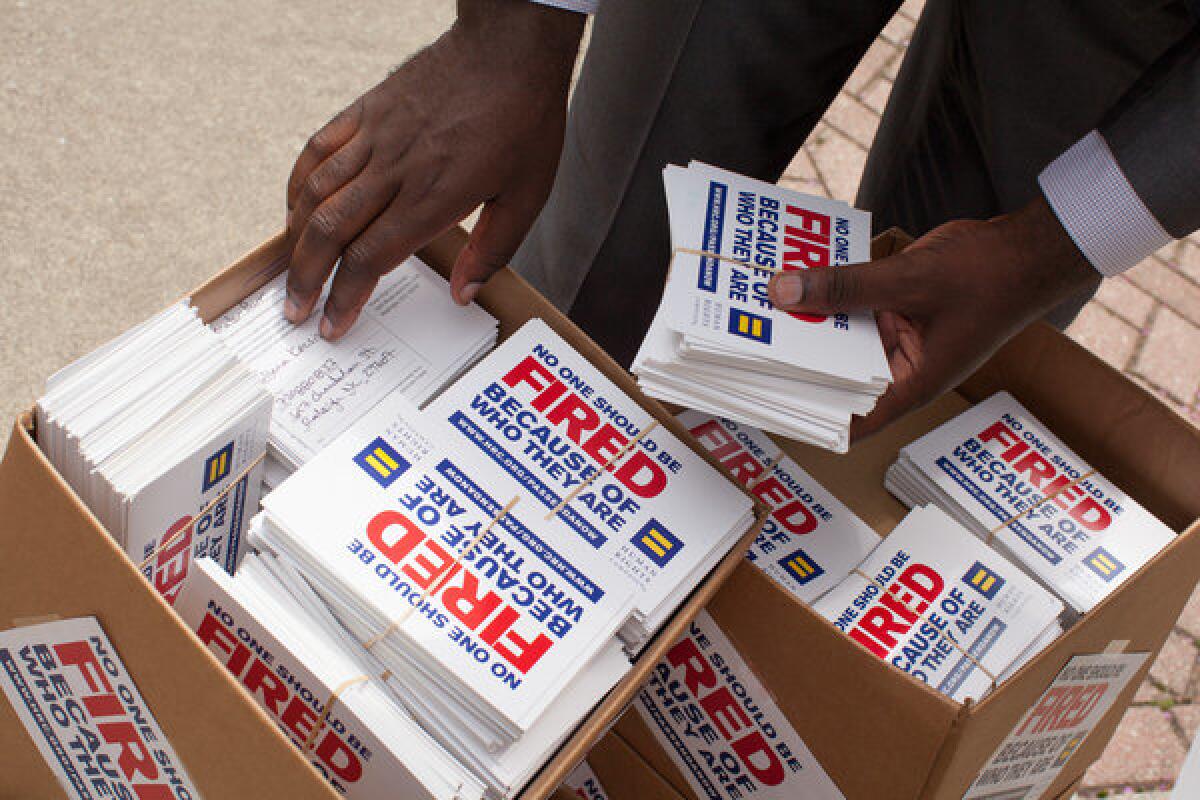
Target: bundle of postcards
{"points": [[411, 336], [944, 607], [498, 556], [717, 344], [1009, 480], [811, 540], [155, 427]]}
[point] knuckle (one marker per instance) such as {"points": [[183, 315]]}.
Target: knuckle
{"points": [[311, 190], [357, 259], [325, 224]]}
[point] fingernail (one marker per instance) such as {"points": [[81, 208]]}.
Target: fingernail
{"points": [[326, 328], [469, 291], [789, 289], [291, 310]]}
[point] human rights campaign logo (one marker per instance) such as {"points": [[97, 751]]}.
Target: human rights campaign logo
{"points": [[217, 466], [380, 460], [658, 543], [1104, 564], [801, 567], [984, 580], [749, 326]]}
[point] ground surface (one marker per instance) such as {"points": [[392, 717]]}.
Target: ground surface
{"points": [[145, 148]]}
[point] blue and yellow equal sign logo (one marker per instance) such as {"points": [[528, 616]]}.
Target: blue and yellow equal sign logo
{"points": [[217, 466], [801, 567], [380, 460], [1104, 564], [749, 326], [983, 580], [1069, 750], [658, 543]]}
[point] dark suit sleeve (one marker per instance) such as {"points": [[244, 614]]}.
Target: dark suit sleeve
{"points": [[1154, 135]]}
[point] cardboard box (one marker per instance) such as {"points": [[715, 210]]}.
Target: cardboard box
{"points": [[881, 733], [58, 561]]}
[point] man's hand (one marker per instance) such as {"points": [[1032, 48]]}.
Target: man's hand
{"points": [[948, 302], [476, 117]]}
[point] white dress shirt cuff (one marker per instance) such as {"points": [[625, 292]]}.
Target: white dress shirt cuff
{"points": [[1099, 208], [582, 6]]}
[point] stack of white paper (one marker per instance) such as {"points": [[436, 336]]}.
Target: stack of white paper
{"points": [[944, 607], [497, 642], [411, 338], [811, 541], [602, 482], [718, 345], [293, 663], [152, 428], [996, 464]]}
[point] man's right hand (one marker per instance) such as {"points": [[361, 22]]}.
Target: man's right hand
{"points": [[475, 118]]}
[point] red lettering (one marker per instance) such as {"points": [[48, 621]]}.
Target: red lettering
{"points": [[923, 581], [523, 655], [641, 475], [465, 604], [171, 564], [213, 633], [726, 714], [341, 760], [883, 625], [1004, 436], [696, 671], [102, 702], [1091, 515], [272, 689], [395, 551], [1039, 468], [868, 642], [430, 570], [577, 414], [134, 758], [529, 371], [604, 443], [753, 751]]}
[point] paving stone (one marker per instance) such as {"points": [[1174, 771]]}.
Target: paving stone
{"points": [[1173, 667], [800, 185], [1148, 694], [1188, 256], [875, 96], [912, 9], [1144, 752], [899, 30], [839, 160], [878, 56], [1188, 717], [801, 168], [1169, 286], [1168, 356], [1126, 300], [853, 118], [1189, 620], [1105, 334]]}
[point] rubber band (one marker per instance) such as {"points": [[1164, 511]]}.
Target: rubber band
{"points": [[992, 533], [591, 478], [322, 720], [208, 507]]}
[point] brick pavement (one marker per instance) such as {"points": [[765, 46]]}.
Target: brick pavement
{"points": [[1145, 323]]}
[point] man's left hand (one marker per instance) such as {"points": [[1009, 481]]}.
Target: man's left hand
{"points": [[950, 300]]}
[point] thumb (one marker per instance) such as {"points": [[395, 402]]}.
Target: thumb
{"points": [[874, 285], [502, 226]]}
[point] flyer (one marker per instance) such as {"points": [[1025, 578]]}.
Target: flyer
{"points": [[721, 727], [80, 706]]}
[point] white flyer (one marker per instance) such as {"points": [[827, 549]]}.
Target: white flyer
{"points": [[544, 422], [941, 605], [721, 727], [71, 690], [411, 337], [1034, 753], [584, 783], [765, 228], [812, 540], [997, 461]]}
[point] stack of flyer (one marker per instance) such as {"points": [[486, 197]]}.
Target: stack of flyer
{"points": [[411, 337], [944, 607], [498, 603], [811, 541], [297, 664], [603, 481], [151, 429], [718, 345], [1009, 480]]}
